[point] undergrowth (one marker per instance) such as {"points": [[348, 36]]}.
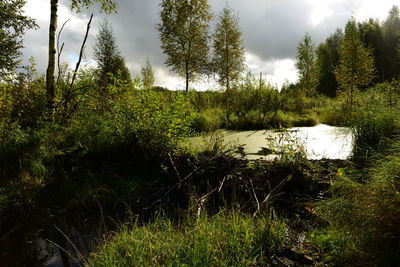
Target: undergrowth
{"points": [[225, 239]]}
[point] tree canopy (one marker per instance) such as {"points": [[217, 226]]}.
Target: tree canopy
{"points": [[13, 24], [391, 37], [147, 75], [107, 6], [184, 36], [108, 55], [228, 60], [306, 65], [356, 68], [328, 59]]}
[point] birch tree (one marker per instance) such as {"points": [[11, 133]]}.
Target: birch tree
{"points": [[184, 36], [228, 59], [106, 5]]}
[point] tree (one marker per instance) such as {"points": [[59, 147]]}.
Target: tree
{"points": [[12, 27], [391, 36], [228, 49], [327, 61], [356, 64], [147, 75], [184, 36], [108, 56], [371, 34], [107, 5], [306, 65]]}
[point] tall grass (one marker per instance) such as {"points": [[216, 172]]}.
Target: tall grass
{"points": [[225, 239], [371, 130], [363, 215], [374, 124]]}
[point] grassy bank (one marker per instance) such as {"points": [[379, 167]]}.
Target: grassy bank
{"points": [[362, 211], [225, 239], [362, 215]]}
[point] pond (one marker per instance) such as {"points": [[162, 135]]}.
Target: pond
{"points": [[318, 142]]}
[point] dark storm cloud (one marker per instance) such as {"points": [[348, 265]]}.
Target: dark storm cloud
{"points": [[271, 29]]}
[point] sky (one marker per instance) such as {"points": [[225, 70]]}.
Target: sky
{"points": [[271, 31]]}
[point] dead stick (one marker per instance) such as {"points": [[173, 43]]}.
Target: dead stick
{"points": [[272, 191], [59, 51], [81, 52]]}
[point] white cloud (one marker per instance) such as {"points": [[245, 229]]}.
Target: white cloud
{"points": [[321, 10], [360, 9], [373, 9], [276, 71]]}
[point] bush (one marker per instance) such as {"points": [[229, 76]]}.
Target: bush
{"points": [[141, 119], [207, 120]]}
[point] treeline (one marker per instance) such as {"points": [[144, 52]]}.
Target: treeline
{"points": [[380, 38]]}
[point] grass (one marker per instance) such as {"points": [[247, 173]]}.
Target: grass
{"points": [[207, 120], [363, 216], [372, 129], [225, 239], [362, 213]]}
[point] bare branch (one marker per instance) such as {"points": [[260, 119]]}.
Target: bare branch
{"points": [[81, 52], [59, 51]]}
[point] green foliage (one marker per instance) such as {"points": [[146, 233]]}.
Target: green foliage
{"points": [[225, 239], [374, 124], [156, 126], [12, 27], [391, 37], [356, 68], [207, 99], [371, 33], [207, 120], [184, 36], [327, 60], [363, 215], [23, 100], [107, 5], [108, 56], [379, 39], [228, 49], [287, 147], [307, 67], [253, 105], [147, 75]]}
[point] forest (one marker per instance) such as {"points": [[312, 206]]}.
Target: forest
{"points": [[96, 168]]}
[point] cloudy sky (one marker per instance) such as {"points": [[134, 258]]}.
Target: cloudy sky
{"points": [[271, 31]]}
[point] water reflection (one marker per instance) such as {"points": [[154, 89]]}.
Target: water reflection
{"points": [[318, 142]]}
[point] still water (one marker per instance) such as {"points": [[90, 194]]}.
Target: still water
{"points": [[318, 142]]}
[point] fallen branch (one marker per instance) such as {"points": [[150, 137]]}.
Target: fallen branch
{"points": [[276, 188]]}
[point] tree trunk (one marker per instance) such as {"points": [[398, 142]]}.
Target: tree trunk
{"points": [[351, 98], [187, 75], [50, 85]]}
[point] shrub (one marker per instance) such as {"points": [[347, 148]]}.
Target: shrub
{"points": [[207, 120]]}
